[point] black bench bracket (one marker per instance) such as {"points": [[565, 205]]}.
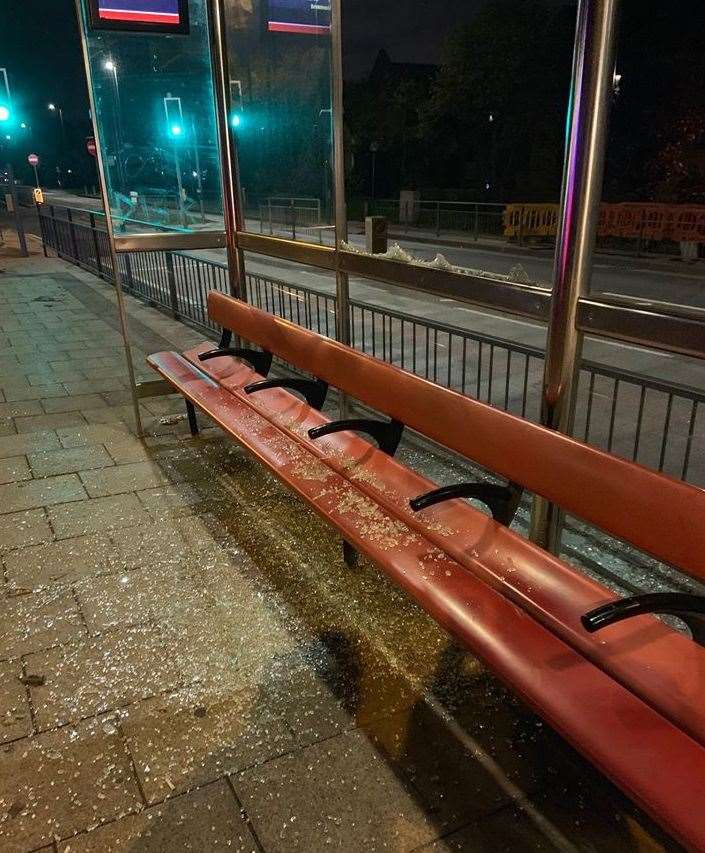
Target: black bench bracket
{"points": [[313, 390], [387, 434], [260, 360], [503, 501], [687, 607]]}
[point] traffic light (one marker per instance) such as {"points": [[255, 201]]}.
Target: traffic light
{"points": [[5, 113], [174, 117], [236, 120]]}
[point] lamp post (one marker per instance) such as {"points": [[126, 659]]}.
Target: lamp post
{"points": [[54, 108], [111, 67], [175, 130]]}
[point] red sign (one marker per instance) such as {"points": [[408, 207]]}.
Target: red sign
{"points": [[33, 160], [90, 146]]}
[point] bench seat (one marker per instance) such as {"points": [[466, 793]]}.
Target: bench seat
{"points": [[663, 666], [618, 732]]}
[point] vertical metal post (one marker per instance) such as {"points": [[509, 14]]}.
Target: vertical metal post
{"points": [[117, 278], [171, 278], [72, 233], [593, 70], [19, 225], [42, 228], [232, 201], [342, 283], [96, 244]]}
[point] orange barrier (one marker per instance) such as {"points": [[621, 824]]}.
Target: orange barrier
{"points": [[630, 220]]}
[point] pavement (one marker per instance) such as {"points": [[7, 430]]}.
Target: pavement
{"points": [[187, 664]]}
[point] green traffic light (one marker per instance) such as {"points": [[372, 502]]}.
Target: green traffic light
{"points": [[4, 113], [236, 120], [176, 130]]}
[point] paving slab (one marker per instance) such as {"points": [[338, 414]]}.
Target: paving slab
{"points": [[37, 423], [21, 529], [16, 445], [61, 562], [14, 468], [52, 462], [15, 497], [204, 821], [339, 794], [115, 480], [99, 674], [16, 392], [189, 738], [63, 782], [35, 621], [15, 716], [96, 515], [120, 600], [73, 403]]}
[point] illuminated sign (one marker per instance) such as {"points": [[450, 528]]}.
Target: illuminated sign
{"points": [[310, 17], [146, 16]]}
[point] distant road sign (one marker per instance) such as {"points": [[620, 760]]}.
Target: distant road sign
{"points": [[90, 146], [33, 160]]}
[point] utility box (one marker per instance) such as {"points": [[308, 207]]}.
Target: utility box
{"points": [[376, 233]]}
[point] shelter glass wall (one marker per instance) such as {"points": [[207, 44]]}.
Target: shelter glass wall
{"points": [[280, 89], [156, 118]]}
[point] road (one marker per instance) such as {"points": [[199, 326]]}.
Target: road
{"points": [[506, 382]]}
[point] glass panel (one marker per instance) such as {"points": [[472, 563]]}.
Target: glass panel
{"points": [[155, 114], [457, 135], [280, 67], [651, 239]]}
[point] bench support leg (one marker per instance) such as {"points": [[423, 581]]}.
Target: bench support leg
{"points": [[350, 556], [191, 413]]}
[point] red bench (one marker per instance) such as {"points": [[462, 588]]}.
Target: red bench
{"points": [[627, 696]]}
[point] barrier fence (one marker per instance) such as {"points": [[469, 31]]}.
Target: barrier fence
{"points": [[660, 424], [655, 222]]}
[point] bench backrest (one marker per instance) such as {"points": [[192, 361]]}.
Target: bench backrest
{"points": [[657, 514]]}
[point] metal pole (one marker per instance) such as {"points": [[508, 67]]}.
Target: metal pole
{"points": [[19, 225], [593, 70], [342, 283], [179, 187], [117, 276], [199, 177], [232, 202]]}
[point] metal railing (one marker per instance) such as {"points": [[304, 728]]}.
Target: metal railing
{"points": [[476, 219], [659, 424]]}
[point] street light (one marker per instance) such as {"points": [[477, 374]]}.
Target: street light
{"points": [[4, 113], [52, 107]]}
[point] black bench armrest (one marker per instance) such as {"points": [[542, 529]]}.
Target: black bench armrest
{"points": [[261, 360], [387, 434], [689, 608], [313, 390], [503, 501]]}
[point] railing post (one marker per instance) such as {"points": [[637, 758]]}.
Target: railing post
{"points": [[438, 219], [293, 220], [271, 224], [42, 228], [171, 276], [591, 86], [96, 244], [477, 222], [72, 232], [129, 280]]}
